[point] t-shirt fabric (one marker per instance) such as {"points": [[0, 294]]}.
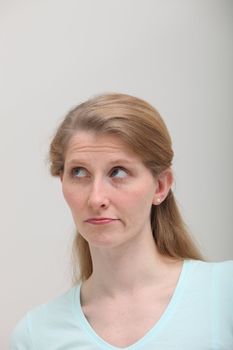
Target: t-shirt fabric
{"points": [[199, 316]]}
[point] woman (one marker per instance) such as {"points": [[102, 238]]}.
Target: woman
{"points": [[142, 283]]}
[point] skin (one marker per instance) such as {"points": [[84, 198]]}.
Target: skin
{"points": [[103, 178]]}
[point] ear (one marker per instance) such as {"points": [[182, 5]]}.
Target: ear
{"points": [[164, 182]]}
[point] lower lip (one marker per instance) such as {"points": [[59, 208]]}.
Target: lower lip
{"points": [[100, 222]]}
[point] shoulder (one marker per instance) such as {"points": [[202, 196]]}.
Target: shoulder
{"points": [[215, 277], [20, 337], [213, 274], [223, 279], [39, 319], [225, 267], [221, 272]]}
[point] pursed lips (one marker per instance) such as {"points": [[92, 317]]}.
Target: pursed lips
{"points": [[100, 221]]}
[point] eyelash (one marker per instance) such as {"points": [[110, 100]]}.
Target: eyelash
{"points": [[74, 169], [119, 168], [112, 170]]}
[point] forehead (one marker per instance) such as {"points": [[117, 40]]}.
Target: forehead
{"points": [[85, 142]]}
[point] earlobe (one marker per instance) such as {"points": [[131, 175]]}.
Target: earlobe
{"points": [[164, 183]]}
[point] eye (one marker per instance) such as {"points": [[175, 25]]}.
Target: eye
{"points": [[119, 172], [79, 172]]}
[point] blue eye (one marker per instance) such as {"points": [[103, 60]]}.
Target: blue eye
{"points": [[119, 173], [79, 172]]}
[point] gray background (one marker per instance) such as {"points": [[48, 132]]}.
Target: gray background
{"points": [[54, 54]]}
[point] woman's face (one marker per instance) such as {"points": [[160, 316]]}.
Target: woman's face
{"points": [[108, 189]]}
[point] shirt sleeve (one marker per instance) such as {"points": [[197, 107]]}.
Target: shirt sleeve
{"points": [[225, 287], [223, 304], [21, 337]]}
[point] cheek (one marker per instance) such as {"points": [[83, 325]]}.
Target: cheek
{"points": [[66, 193], [139, 200], [71, 196], [146, 197]]}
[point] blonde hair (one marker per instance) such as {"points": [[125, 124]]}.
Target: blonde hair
{"points": [[141, 127]]}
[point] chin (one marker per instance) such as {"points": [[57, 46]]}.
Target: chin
{"points": [[104, 242]]}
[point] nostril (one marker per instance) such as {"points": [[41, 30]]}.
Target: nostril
{"points": [[98, 201]]}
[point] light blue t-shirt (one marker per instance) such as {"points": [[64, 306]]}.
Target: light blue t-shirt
{"points": [[199, 316]]}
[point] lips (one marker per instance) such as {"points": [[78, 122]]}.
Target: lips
{"points": [[100, 221]]}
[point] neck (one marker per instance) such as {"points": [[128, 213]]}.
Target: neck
{"points": [[124, 270]]}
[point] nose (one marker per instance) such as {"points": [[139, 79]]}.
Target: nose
{"points": [[98, 196]]}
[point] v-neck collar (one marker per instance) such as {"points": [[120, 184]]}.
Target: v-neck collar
{"points": [[95, 338]]}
